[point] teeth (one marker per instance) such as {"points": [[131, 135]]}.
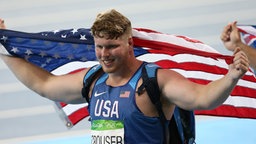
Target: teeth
{"points": [[107, 61]]}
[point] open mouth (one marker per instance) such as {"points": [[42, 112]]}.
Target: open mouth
{"points": [[108, 62]]}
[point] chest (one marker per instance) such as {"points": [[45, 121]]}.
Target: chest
{"points": [[119, 102], [109, 102]]}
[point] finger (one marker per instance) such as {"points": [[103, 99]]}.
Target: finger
{"points": [[226, 32], [239, 54], [234, 26], [242, 66], [237, 49], [235, 31], [2, 25], [225, 37], [228, 27], [241, 60]]}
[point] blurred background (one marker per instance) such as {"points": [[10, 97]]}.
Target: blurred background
{"points": [[26, 118]]}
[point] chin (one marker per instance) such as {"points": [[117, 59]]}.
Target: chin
{"points": [[107, 70]]}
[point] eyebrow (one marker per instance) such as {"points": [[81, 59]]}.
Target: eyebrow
{"points": [[108, 45]]}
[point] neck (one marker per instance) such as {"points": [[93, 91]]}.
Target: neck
{"points": [[124, 75]]}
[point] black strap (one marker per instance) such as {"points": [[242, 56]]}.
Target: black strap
{"points": [[88, 81], [174, 136], [188, 123], [152, 88]]}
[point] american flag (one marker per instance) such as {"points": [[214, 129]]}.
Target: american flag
{"points": [[248, 33], [124, 94], [67, 51]]}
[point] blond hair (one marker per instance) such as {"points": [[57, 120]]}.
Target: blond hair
{"points": [[111, 25]]}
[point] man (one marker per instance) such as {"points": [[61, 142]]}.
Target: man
{"points": [[231, 39], [132, 119]]}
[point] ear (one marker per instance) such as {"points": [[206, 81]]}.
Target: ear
{"points": [[130, 41]]}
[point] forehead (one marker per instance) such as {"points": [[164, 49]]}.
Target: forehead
{"points": [[104, 41]]}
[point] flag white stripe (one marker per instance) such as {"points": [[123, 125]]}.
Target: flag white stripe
{"points": [[241, 101], [160, 37], [251, 41], [198, 74], [70, 108], [187, 58], [3, 50], [246, 37], [69, 67], [248, 29], [183, 58], [212, 77]]}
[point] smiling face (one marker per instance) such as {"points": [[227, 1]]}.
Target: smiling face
{"points": [[112, 34], [114, 54]]}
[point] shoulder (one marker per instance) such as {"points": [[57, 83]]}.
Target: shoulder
{"points": [[90, 72], [162, 74], [167, 76], [168, 73]]}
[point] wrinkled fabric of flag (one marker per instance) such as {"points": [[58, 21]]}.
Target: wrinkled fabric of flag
{"points": [[67, 51]]}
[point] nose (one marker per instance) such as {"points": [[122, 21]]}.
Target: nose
{"points": [[104, 52]]}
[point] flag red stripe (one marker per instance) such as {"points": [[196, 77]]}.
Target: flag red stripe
{"points": [[192, 66], [62, 104], [78, 70], [78, 115], [241, 30], [238, 90], [147, 30], [229, 111], [249, 39]]}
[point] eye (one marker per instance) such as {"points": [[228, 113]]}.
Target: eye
{"points": [[111, 46], [99, 46]]}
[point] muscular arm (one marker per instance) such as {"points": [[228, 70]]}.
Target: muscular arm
{"points": [[65, 88], [188, 95], [191, 96]]}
